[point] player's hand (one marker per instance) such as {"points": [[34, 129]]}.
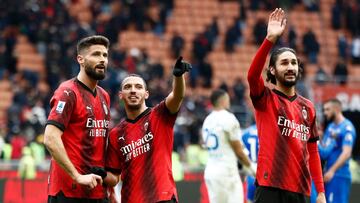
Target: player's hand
{"points": [[89, 180], [181, 67], [250, 170], [321, 198], [276, 24], [98, 171], [328, 176]]}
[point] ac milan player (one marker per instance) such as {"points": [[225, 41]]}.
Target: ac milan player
{"points": [[288, 155], [140, 146], [77, 128]]}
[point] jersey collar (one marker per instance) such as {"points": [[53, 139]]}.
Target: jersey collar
{"points": [[86, 87], [139, 116], [292, 98]]}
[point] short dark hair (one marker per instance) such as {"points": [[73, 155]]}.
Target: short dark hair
{"points": [[215, 95], [335, 101], [273, 58], [134, 75], [92, 40]]}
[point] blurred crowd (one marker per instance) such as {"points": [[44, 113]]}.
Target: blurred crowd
{"points": [[54, 28]]}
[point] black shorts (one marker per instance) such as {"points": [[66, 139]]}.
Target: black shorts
{"points": [[269, 195], [173, 200], [60, 198]]}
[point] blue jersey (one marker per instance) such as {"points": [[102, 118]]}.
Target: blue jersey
{"points": [[251, 142], [335, 137]]}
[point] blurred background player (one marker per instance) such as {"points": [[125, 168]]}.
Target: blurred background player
{"points": [[77, 128], [222, 137], [286, 124], [335, 149], [251, 142], [140, 146]]}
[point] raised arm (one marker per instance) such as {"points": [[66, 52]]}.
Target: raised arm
{"points": [[174, 99], [276, 27]]}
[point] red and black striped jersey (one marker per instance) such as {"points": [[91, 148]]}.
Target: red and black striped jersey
{"points": [[141, 150], [285, 126], [83, 116]]}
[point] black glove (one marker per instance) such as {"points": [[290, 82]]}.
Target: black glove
{"points": [[98, 171], [181, 67]]}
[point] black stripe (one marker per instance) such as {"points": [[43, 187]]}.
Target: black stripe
{"points": [[314, 139], [139, 116], [86, 87], [150, 182], [281, 153], [56, 124], [292, 98]]}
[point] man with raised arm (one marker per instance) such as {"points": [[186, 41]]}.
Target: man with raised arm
{"points": [[288, 156]]}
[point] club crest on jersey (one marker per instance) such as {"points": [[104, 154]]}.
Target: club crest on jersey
{"points": [[146, 125], [304, 113], [60, 106], [105, 108]]}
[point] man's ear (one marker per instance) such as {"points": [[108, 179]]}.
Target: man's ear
{"points": [[80, 59], [120, 95], [272, 70], [146, 94]]}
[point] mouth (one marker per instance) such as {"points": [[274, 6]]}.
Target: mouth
{"points": [[132, 98], [100, 66], [290, 76]]}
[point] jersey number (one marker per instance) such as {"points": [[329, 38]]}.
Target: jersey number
{"points": [[252, 142], [211, 140]]}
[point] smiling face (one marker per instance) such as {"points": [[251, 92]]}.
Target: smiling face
{"points": [[95, 60], [133, 92], [286, 69]]}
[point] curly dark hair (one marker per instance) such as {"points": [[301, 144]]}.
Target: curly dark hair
{"points": [[274, 57]]}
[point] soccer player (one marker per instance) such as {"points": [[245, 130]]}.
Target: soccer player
{"points": [[251, 142], [140, 146], [336, 148], [222, 137], [288, 151], [77, 128]]}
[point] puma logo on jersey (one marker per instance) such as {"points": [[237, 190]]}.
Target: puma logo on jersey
{"points": [[67, 92]]}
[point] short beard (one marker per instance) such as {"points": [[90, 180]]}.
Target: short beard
{"points": [[285, 82], [134, 107], [91, 72], [331, 118]]}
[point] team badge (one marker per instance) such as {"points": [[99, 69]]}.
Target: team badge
{"points": [[304, 113], [60, 106], [348, 137], [146, 125], [105, 108]]}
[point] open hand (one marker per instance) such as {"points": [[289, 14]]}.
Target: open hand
{"points": [[276, 24]]}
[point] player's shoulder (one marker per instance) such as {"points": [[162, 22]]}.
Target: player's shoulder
{"points": [[348, 125], [306, 101], [120, 126], [102, 90], [67, 87], [68, 84]]}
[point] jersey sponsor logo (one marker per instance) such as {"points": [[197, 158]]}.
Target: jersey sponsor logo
{"points": [[137, 147], [98, 127], [60, 106], [292, 129]]}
